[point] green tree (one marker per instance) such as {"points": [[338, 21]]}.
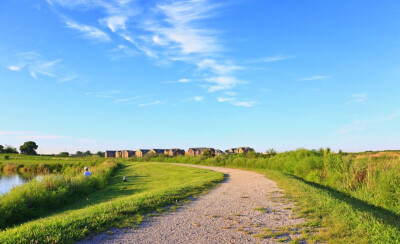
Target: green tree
{"points": [[29, 148], [63, 154], [208, 153], [1, 148], [327, 151], [271, 152], [88, 153], [10, 149], [79, 153], [101, 154]]}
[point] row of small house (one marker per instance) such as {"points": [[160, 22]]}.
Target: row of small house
{"points": [[196, 151]]}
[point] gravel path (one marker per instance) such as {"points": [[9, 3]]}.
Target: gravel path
{"points": [[243, 209]]}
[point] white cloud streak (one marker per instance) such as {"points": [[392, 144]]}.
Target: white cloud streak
{"points": [[150, 104], [126, 100], [88, 31], [222, 83], [14, 68], [115, 23], [270, 59], [316, 77], [235, 102], [36, 66]]}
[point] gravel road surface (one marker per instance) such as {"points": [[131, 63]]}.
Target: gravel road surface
{"points": [[243, 209]]}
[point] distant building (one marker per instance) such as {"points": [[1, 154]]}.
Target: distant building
{"points": [[118, 154], [197, 151], [240, 150], [158, 151], [110, 154], [218, 152], [142, 152], [128, 153], [174, 152]]}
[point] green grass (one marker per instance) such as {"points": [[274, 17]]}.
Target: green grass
{"points": [[261, 209], [336, 217], [120, 204]]}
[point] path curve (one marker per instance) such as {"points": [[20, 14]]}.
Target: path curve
{"points": [[230, 213]]}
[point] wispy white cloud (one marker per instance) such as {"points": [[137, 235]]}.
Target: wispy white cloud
{"points": [[178, 26], [126, 100], [168, 32], [37, 66], [183, 80], [316, 77], [122, 51], [235, 102], [115, 23], [198, 98], [195, 98], [222, 83], [359, 98], [150, 53], [88, 31], [66, 79], [42, 68], [159, 41], [270, 59], [217, 67], [14, 68], [150, 104]]}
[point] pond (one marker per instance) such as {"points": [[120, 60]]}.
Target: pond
{"points": [[7, 182]]}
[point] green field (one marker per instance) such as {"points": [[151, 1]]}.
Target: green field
{"points": [[149, 188]]}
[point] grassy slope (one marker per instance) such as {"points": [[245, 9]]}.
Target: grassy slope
{"points": [[341, 218], [149, 187]]}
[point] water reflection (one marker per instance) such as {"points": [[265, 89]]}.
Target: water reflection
{"points": [[7, 182]]}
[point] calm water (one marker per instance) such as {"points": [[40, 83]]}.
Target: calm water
{"points": [[9, 181]]}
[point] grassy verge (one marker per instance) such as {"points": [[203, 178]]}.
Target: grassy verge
{"points": [[50, 192], [339, 217], [149, 187]]}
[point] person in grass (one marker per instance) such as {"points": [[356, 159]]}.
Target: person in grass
{"points": [[87, 172]]}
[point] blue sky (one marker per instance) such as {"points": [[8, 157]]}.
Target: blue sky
{"points": [[120, 74]]}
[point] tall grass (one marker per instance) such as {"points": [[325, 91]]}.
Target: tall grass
{"points": [[49, 192], [17, 163]]}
